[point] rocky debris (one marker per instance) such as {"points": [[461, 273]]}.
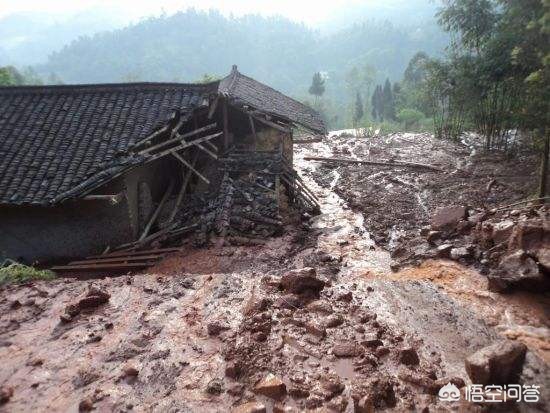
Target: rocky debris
{"points": [[302, 281], [409, 356], [346, 349], [214, 387], [499, 363], [518, 270], [6, 393], [232, 369], [86, 405], [250, 407], [93, 298], [447, 218], [214, 328], [377, 392], [271, 386]]}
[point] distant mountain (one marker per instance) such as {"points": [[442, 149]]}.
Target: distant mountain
{"points": [[28, 38], [275, 50]]}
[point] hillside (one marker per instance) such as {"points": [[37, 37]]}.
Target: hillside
{"points": [[275, 50]]}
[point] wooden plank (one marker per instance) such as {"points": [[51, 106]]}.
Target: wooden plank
{"points": [[178, 138], [104, 267], [114, 198], [191, 168], [183, 188], [270, 123], [152, 136], [253, 128], [209, 152], [380, 163], [213, 107], [225, 126], [121, 259], [211, 146], [157, 211], [136, 253], [183, 146]]}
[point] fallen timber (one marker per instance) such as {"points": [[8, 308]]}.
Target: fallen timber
{"points": [[379, 163]]}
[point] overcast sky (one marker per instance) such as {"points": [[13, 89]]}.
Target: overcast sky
{"points": [[308, 11]]}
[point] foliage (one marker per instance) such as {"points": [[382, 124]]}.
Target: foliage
{"points": [[317, 87], [409, 117], [10, 76], [208, 78], [18, 273], [358, 110]]}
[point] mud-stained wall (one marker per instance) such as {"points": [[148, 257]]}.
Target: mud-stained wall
{"points": [[71, 230]]}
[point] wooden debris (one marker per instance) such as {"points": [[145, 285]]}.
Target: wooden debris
{"points": [[380, 163]]}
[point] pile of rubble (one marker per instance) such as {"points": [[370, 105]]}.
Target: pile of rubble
{"points": [[510, 246]]}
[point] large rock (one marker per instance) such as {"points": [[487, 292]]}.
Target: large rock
{"points": [[502, 231], [543, 258], [499, 363], [518, 270], [271, 386], [528, 236], [302, 281], [447, 218]]}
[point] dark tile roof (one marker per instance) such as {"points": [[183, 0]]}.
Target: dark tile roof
{"points": [[246, 90], [57, 142]]}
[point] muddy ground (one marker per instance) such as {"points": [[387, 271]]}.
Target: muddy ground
{"points": [[217, 329]]}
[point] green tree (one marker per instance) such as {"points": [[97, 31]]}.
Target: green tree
{"points": [[317, 87], [358, 110], [10, 76], [388, 101]]}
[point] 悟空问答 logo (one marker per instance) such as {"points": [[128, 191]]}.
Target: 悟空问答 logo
{"points": [[449, 393]]}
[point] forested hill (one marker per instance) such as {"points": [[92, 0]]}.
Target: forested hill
{"points": [[284, 54]]}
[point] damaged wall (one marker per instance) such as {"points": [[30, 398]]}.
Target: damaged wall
{"points": [[71, 230]]}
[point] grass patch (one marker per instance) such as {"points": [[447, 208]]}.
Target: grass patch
{"points": [[18, 273]]}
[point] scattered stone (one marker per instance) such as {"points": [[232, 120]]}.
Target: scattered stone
{"points": [[235, 389], [461, 253], [528, 237], [345, 349], [346, 297], [86, 405], [433, 236], [250, 407], [364, 405], [271, 386], [288, 301], [232, 370], [371, 340], [320, 306], [409, 356], [302, 281], [502, 231], [215, 328], [382, 351], [499, 363], [447, 218], [331, 386], [315, 329], [214, 387], [444, 250], [518, 270], [6, 393], [334, 321]]}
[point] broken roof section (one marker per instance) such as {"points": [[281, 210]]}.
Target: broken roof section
{"points": [[61, 142], [243, 90], [58, 142]]}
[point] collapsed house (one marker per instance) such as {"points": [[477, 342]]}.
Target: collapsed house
{"points": [[90, 168]]}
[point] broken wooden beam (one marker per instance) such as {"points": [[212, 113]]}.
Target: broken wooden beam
{"points": [[137, 253], [108, 266], [380, 163], [191, 168], [182, 146], [157, 211], [121, 259], [177, 139], [208, 151]]}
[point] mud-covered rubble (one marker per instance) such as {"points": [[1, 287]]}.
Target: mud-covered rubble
{"points": [[510, 247]]}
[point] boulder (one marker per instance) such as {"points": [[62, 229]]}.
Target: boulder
{"points": [[302, 281], [543, 258], [501, 231], [271, 386], [460, 253], [518, 270], [447, 218], [499, 363], [528, 236]]}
